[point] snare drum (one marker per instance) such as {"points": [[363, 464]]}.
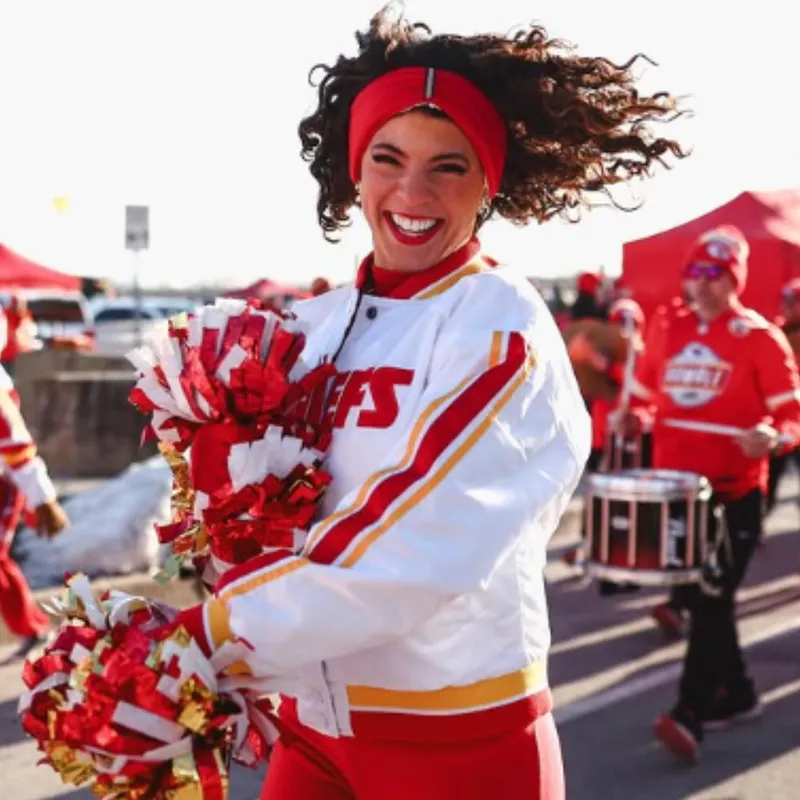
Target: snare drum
{"points": [[634, 452], [648, 527]]}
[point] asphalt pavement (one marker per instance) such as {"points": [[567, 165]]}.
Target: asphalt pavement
{"points": [[612, 673]]}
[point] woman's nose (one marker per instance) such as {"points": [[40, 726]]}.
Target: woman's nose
{"points": [[414, 188]]}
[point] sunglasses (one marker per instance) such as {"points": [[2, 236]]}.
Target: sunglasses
{"points": [[710, 272]]}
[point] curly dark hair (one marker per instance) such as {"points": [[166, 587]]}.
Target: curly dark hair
{"points": [[576, 125]]}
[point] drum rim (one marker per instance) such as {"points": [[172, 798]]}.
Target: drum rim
{"points": [[663, 484], [643, 577]]}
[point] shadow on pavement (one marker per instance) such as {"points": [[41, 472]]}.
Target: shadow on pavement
{"points": [[10, 730], [245, 785], [614, 749], [593, 633]]}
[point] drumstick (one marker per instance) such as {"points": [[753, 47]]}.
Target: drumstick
{"points": [[704, 427], [627, 376], [711, 427], [630, 363]]}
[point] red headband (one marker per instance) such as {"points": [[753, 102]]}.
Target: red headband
{"points": [[403, 89]]}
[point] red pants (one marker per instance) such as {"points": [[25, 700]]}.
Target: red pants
{"points": [[17, 607], [520, 765]]}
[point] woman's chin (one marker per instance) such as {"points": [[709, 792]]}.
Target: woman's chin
{"points": [[408, 258], [395, 255]]}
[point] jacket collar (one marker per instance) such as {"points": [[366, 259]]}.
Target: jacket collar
{"points": [[467, 260]]}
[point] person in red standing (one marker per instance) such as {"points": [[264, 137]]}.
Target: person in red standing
{"points": [[23, 479], [716, 362], [627, 314], [20, 332], [587, 302], [790, 325]]}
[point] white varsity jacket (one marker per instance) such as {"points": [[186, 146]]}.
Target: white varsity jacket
{"points": [[418, 599]]}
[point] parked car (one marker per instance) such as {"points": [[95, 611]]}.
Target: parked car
{"points": [[120, 324], [62, 318]]}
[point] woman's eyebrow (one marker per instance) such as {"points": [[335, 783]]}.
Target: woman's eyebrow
{"points": [[387, 146], [455, 155]]}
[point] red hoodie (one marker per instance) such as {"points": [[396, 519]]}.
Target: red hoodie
{"points": [[736, 371]]}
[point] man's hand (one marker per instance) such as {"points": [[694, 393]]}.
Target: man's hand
{"points": [[624, 422], [51, 519], [758, 441]]}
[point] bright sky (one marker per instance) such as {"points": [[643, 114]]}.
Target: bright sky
{"points": [[191, 107]]}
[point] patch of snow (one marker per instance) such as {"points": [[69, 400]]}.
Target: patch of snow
{"points": [[111, 529]]}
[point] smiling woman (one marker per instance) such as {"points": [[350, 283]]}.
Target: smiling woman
{"points": [[570, 126], [409, 631], [421, 183]]}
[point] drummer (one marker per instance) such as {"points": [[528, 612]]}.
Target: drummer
{"points": [[718, 366], [790, 324], [627, 314]]}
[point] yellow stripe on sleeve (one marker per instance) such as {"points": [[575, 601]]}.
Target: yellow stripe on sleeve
{"points": [[17, 458], [446, 468]]}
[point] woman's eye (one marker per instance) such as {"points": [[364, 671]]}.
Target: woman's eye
{"points": [[382, 158], [457, 169]]}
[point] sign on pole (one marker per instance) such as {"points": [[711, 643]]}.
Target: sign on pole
{"points": [[137, 227]]}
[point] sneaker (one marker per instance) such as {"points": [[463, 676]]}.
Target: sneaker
{"points": [[610, 588], [680, 733], [669, 619], [731, 708]]}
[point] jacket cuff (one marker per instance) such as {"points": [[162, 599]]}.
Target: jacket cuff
{"points": [[789, 437], [33, 480], [208, 624]]}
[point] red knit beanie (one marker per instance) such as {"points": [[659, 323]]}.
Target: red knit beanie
{"points": [[588, 282], [726, 247], [624, 308]]}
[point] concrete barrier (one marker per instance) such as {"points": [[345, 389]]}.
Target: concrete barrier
{"points": [[30, 368], [84, 423]]}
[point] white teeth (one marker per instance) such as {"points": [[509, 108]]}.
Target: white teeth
{"points": [[412, 226]]}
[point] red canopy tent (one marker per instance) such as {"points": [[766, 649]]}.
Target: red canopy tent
{"points": [[770, 221], [17, 272], [265, 289]]}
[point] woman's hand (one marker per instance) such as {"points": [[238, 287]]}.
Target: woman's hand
{"points": [[51, 519]]}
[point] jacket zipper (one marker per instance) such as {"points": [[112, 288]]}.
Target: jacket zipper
{"points": [[331, 696]]}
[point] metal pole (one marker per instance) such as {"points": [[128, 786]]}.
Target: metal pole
{"points": [[137, 297]]}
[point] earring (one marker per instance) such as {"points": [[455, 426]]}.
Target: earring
{"points": [[357, 187], [486, 205]]}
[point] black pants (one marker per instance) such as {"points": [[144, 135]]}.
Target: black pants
{"points": [[594, 460], [777, 466], [714, 658]]}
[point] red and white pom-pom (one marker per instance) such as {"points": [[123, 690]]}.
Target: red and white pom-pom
{"points": [[228, 362], [135, 707], [229, 383]]}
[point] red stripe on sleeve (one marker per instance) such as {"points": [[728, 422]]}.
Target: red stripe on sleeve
{"points": [[445, 429]]}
